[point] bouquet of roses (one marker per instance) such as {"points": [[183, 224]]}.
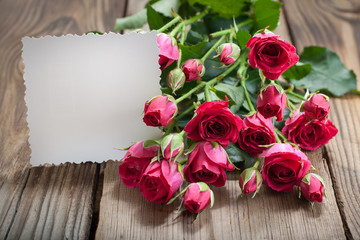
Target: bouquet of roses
{"points": [[236, 97]]}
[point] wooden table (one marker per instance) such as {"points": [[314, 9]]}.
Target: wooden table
{"points": [[88, 200]]}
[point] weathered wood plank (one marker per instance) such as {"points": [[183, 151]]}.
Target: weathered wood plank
{"points": [[125, 214], [21, 18], [335, 24]]}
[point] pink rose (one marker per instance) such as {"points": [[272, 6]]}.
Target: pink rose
{"points": [[169, 51], [317, 107], [312, 187], [194, 69], [309, 134], [228, 53], [160, 180], [270, 54], [207, 164], [134, 162], [250, 180], [258, 131], [196, 199], [159, 111], [214, 122], [271, 103], [284, 167]]}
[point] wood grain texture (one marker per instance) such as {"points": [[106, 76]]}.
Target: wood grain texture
{"points": [[335, 24], [19, 18]]}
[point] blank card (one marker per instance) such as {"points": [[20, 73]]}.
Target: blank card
{"points": [[85, 94]]}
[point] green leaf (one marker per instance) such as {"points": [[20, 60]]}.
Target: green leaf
{"points": [[328, 72], [225, 8], [139, 19], [297, 71], [149, 143], [192, 51], [266, 13], [242, 37], [154, 18], [239, 157], [235, 95]]}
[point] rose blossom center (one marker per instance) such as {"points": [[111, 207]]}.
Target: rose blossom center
{"points": [[282, 174], [215, 127], [205, 174], [272, 50], [152, 118], [150, 184]]}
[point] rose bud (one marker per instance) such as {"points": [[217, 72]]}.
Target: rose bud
{"points": [[194, 69], [159, 111], [250, 180], [271, 54], [228, 53], [312, 187], [198, 197], [284, 167], [160, 180], [135, 161], [207, 163], [317, 107], [214, 122], [169, 51], [172, 145], [256, 135], [272, 102], [308, 134], [175, 79]]}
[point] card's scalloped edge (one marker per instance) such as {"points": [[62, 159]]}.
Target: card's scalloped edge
{"points": [[24, 76]]}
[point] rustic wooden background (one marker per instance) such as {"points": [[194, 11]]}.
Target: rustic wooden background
{"points": [[88, 200]]}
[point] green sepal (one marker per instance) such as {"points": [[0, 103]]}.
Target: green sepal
{"points": [[150, 143], [154, 159], [191, 148], [203, 186], [125, 149], [178, 195], [215, 144]]}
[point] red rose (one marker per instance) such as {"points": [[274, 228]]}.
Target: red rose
{"points": [[271, 103], [134, 162], [160, 180], [194, 69], [228, 53], [309, 134], [169, 51], [196, 199], [250, 180], [284, 167], [270, 54], [258, 131], [214, 122], [317, 107], [312, 187], [207, 164], [159, 111]]}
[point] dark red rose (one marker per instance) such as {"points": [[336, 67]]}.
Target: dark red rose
{"points": [[214, 122], [309, 134], [258, 131], [159, 111], [160, 180], [207, 164], [271, 103], [134, 162], [270, 54], [284, 167], [317, 107]]}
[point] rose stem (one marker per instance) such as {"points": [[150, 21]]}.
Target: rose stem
{"points": [[207, 54], [227, 31], [184, 113], [296, 95], [279, 134], [256, 164], [241, 74], [187, 22], [182, 40], [277, 137], [169, 24], [174, 121], [291, 106], [207, 93], [211, 82]]}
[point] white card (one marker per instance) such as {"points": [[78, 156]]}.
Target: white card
{"points": [[85, 94]]}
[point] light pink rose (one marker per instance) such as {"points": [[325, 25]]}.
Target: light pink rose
{"points": [[195, 200], [169, 51], [272, 103], [159, 111]]}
